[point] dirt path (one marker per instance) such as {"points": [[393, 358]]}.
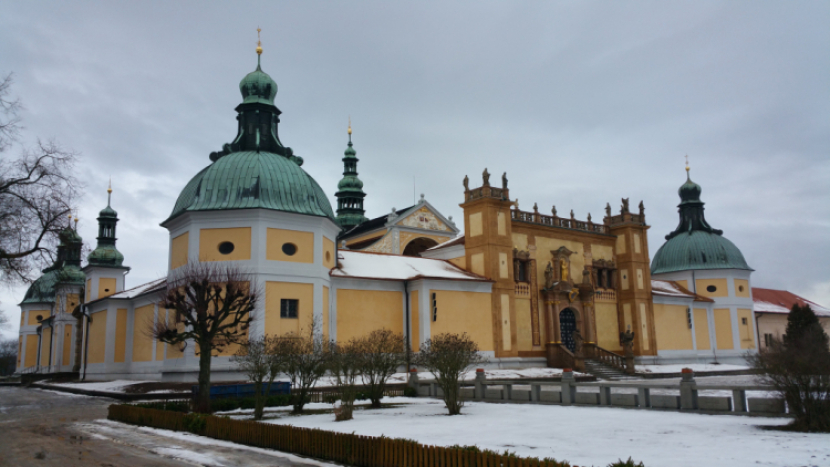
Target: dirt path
{"points": [[44, 428]]}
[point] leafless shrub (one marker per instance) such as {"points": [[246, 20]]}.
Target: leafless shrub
{"points": [[261, 365], [381, 352], [345, 365], [448, 356], [305, 358], [213, 305]]}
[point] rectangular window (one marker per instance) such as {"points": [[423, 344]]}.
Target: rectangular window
{"points": [[689, 317], [288, 307], [743, 321], [434, 308]]}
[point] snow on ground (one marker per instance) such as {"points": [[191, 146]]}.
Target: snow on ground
{"points": [[587, 435], [496, 374], [694, 366], [106, 386]]}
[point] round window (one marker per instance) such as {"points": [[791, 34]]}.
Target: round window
{"points": [[740, 288], [328, 256], [226, 248], [39, 318], [289, 249], [711, 288]]}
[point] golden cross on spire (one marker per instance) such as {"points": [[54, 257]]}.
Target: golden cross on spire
{"points": [[109, 192], [350, 124], [258, 41], [687, 162]]}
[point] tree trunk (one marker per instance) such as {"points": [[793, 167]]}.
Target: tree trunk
{"points": [[259, 399], [203, 400]]}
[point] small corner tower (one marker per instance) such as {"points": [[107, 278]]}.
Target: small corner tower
{"points": [[105, 270], [350, 193]]}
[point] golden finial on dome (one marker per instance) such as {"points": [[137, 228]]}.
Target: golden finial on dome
{"points": [[687, 162], [350, 124], [109, 188], [258, 42]]}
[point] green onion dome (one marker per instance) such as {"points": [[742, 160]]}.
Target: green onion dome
{"points": [[257, 86]]}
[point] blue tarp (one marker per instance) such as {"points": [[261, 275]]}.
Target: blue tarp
{"points": [[244, 390]]}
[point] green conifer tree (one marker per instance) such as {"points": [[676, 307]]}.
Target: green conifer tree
{"points": [[803, 326]]}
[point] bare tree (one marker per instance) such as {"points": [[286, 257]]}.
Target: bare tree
{"points": [[346, 368], [448, 356], [8, 356], [212, 305], [381, 353], [798, 366], [38, 190], [305, 359], [256, 359], [4, 320]]}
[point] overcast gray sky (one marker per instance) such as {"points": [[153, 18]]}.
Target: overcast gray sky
{"points": [[580, 103]]}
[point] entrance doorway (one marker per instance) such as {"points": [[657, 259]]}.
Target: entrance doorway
{"points": [[567, 326]]}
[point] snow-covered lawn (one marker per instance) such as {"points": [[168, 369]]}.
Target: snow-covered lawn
{"points": [[584, 435], [694, 366]]}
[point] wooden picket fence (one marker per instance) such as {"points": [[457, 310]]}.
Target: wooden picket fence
{"points": [[350, 449]]}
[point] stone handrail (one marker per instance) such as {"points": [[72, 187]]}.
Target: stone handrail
{"points": [[609, 358], [561, 222]]}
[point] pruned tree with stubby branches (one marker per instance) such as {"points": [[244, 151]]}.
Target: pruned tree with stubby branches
{"points": [[213, 305], [261, 365], [346, 367], [798, 367], [448, 356], [381, 353], [38, 191]]}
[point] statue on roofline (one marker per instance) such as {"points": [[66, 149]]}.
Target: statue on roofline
{"points": [[553, 210], [642, 209], [485, 177], [466, 183], [504, 180], [624, 207], [607, 209]]}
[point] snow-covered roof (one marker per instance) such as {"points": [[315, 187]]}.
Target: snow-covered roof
{"points": [[459, 240], [673, 289], [782, 301], [142, 289], [365, 265]]}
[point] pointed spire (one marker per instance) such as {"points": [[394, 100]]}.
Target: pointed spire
{"points": [[350, 193], [105, 253]]}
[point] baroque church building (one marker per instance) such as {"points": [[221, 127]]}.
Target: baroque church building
{"points": [[532, 288]]}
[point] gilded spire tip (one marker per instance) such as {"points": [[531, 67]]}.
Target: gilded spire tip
{"points": [[687, 167], [258, 42], [350, 125]]}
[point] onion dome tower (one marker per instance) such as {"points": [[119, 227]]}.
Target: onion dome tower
{"points": [[350, 193], [105, 265], [694, 244]]}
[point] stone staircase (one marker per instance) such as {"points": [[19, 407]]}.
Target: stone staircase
{"points": [[607, 372]]}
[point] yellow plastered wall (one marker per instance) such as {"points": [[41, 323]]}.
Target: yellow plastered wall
{"points": [[461, 262], [414, 314], [120, 335], [67, 345], [475, 224], [671, 326], [640, 278], [503, 273], [684, 284], [624, 279], [627, 317], [702, 329], [468, 312], [621, 244], [97, 346], [31, 350], [723, 329], [721, 289], [209, 240], [88, 290], [142, 344], [45, 346], [33, 314], [106, 287], [326, 312], [174, 350], [178, 250], [746, 330], [520, 241], [524, 331], [605, 252], [477, 264], [741, 288], [162, 317], [329, 258], [304, 241], [276, 291], [502, 223], [360, 312], [636, 243], [644, 327], [506, 341], [608, 328]]}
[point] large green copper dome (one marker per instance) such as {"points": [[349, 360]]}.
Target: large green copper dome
{"points": [[255, 170], [248, 179], [65, 270], [694, 244]]}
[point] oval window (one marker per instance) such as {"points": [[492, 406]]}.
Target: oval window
{"points": [[39, 318], [289, 249], [328, 256], [740, 288], [226, 248], [711, 288]]}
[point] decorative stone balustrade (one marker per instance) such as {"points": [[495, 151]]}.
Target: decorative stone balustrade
{"points": [[522, 290], [559, 222], [605, 295]]}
